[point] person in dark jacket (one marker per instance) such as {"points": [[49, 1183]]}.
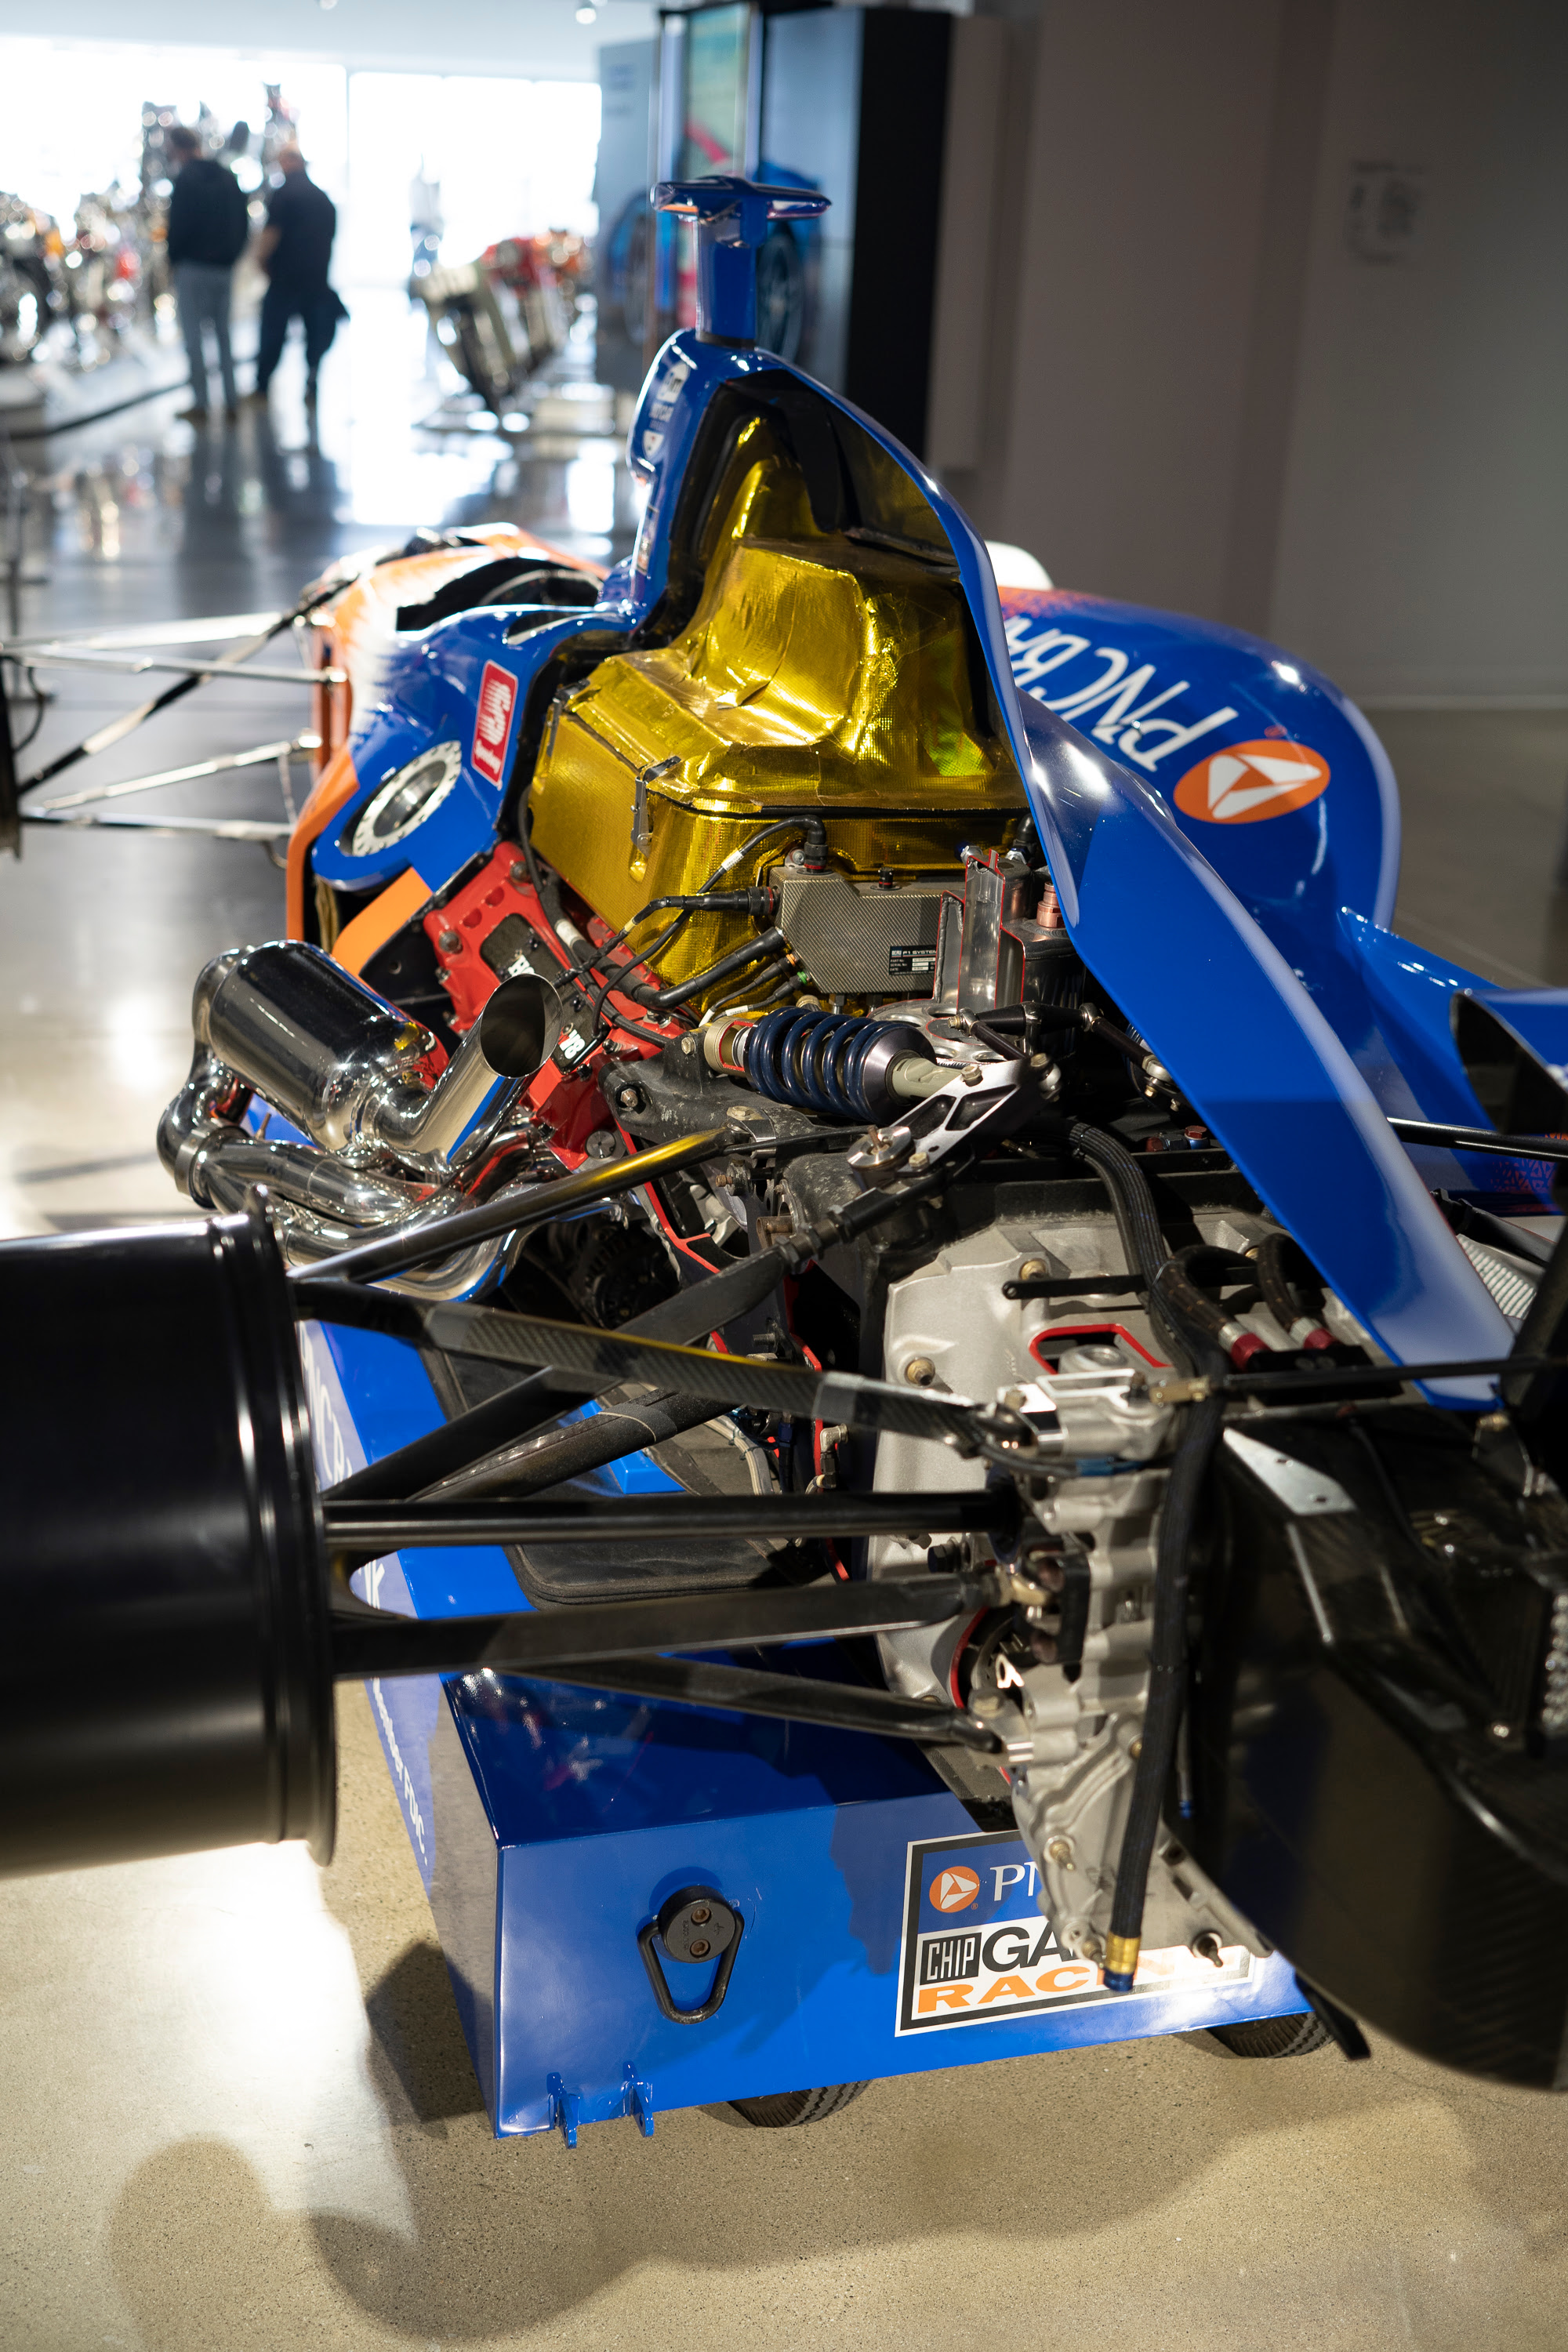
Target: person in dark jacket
{"points": [[295, 249], [208, 225]]}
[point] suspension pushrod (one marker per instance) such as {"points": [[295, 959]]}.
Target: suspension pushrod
{"points": [[1476, 1139], [840, 1706], [115, 730], [139, 668], [219, 828], [212, 631], [707, 1306], [264, 755], [375, 1528], [427, 1238], [365, 1646]]}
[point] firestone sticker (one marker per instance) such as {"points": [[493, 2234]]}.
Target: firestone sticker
{"points": [[977, 1949]]}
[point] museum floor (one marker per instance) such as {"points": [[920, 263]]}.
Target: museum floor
{"points": [[238, 2112]]}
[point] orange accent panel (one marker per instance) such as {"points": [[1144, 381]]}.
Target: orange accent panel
{"points": [[336, 785], [375, 925]]}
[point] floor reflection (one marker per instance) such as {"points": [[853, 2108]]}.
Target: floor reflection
{"points": [[149, 514]]}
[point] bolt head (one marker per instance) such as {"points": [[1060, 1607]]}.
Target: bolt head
{"points": [[972, 1072], [688, 1044], [1034, 1269], [517, 874], [1060, 1850], [919, 1371], [449, 942]]}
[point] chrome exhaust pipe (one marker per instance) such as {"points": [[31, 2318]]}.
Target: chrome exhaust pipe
{"points": [[285, 1022], [347, 1068]]}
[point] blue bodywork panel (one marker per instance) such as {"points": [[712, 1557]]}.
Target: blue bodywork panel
{"points": [[1222, 829], [550, 1822]]}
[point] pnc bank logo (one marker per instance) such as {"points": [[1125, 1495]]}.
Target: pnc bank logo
{"points": [[492, 723], [955, 1889], [1251, 781]]}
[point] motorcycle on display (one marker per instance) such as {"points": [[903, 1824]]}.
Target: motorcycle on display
{"points": [[31, 292]]}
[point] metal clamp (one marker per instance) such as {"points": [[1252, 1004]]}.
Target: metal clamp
{"points": [[696, 1924]]}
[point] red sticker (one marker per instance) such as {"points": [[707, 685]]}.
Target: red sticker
{"points": [[498, 692]]}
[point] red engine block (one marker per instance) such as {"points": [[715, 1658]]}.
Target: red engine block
{"points": [[568, 1102]]}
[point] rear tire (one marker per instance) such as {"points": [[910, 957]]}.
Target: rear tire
{"points": [[1273, 2037], [786, 2107]]}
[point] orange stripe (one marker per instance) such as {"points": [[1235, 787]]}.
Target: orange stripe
{"points": [[375, 925], [336, 784]]}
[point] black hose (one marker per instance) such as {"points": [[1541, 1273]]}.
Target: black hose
{"points": [[763, 977], [1137, 1224], [1273, 1252], [1167, 1684], [616, 976], [708, 901], [1187, 1339], [766, 946], [1178, 1290], [525, 841]]}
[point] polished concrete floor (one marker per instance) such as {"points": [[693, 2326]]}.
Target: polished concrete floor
{"points": [[237, 2110]]}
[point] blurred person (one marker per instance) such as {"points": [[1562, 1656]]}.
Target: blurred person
{"points": [[209, 225], [426, 223], [295, 249]]}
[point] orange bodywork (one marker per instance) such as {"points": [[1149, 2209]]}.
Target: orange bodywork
{"points": [[376, 924], [335, 786], [356, 629]]}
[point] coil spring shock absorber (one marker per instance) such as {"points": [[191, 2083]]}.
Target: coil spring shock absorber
{"points": [[842, 1065]]}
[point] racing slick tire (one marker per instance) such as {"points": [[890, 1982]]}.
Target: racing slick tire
{"points": [[785, 2108], [1273, 2037]]}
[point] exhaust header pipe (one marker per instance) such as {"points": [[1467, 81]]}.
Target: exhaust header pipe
{"points": [[350, 1072], [348, 1067]]}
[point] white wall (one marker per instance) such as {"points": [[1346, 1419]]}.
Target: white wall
{"points": [[1201, 398], [1139, 243], [1424, 541]]}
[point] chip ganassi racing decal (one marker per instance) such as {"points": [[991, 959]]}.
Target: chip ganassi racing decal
{"points": [[492, 721], [975, 1946]]}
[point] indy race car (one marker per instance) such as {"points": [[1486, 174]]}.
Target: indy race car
{"points": [[922, 1364]]}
